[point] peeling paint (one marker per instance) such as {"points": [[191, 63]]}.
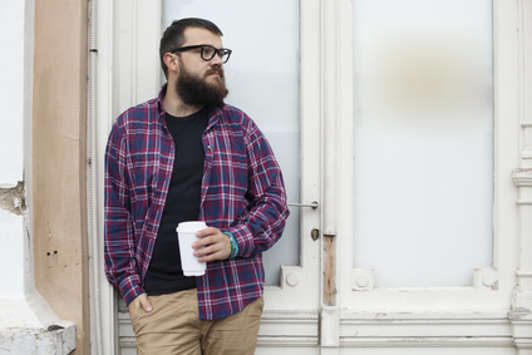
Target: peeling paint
{"points": [[12, 199]]}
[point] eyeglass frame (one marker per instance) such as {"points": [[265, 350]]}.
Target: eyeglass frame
{"points": [[221, 52]]}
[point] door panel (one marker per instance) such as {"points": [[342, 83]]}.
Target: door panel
{"points": [[262, 77], [423, 140]]}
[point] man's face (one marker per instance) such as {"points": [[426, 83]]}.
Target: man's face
{"points": [[200, 82]]}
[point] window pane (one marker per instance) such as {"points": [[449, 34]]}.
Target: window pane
{"points": [[423, 140], [262, 76]]}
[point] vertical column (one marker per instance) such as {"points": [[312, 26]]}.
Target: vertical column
{"points": [[124, 70], [337, 117], [521, 311]]}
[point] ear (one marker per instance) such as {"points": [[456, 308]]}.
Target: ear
{"points": [[171, 62]]}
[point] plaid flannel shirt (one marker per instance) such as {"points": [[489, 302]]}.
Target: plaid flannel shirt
{"points": [[242, 192]]}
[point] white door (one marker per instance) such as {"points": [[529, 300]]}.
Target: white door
{"points": [[272, 75], [425, 215], [263, 77]]}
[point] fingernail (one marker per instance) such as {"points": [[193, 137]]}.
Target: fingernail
{"points": [[148, 308]]}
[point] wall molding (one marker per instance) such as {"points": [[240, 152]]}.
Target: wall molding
{"points": [[522, 177], [426, 329], [520, 314], [279, 328]]}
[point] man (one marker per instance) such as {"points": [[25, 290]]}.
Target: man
{"points": [[186, 155]]}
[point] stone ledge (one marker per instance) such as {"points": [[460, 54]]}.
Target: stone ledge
{"points": [[56, 340]]}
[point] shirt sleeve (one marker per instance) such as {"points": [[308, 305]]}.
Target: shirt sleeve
{"points": [[264, 223], [119, 244]]}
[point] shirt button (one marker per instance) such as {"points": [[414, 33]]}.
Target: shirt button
{"points": [[209, 147]]}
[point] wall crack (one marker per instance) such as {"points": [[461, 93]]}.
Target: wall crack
{"points": [[12, 199]]}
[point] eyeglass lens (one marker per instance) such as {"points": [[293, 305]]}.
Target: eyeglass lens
{"points": [[208, 52]]}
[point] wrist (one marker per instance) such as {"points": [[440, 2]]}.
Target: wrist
{"points": [[234, 246]]}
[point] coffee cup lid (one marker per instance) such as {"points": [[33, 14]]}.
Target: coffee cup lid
{"points": [[190, 226]]}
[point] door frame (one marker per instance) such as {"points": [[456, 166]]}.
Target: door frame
{"points": [[124, 71]]}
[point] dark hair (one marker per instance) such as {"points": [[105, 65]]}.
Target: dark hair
{"points": [[174, 35]]}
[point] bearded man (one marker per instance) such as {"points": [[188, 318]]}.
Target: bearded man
{"points": [[185, 156]]}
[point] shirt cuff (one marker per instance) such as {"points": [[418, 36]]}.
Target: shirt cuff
{"points": [[243, 239], [130, 288]]}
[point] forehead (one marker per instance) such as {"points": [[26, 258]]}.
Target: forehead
{"points": [[198, 35]]}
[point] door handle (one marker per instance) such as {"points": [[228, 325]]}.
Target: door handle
{"points": [[313, 204]]}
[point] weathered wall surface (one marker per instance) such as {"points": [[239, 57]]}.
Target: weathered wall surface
{"points": [[58, 161]]}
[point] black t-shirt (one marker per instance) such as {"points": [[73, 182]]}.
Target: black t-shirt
{"points": [[164, 274]]}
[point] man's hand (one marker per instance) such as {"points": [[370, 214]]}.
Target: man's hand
{"points": [[213, 245], [140, 301]]}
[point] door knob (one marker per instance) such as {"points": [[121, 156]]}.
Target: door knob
{"points": [[313, 204]]}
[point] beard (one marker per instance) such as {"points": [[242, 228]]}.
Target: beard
{"points": [[196, 91]]}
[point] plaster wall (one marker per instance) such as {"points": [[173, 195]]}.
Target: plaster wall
{"points": [[59, 161]]}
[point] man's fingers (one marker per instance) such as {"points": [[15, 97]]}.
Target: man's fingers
{"points": [[212, 257], [140, 301], [206, 232], [205, 241], [212, 245], [213, 248], [145, 303]]}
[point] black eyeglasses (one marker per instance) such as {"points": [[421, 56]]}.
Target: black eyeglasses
{"points": [[207, 52]]}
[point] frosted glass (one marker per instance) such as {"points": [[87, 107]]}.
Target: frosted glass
{"points": [[262, 76], [423, 140]]}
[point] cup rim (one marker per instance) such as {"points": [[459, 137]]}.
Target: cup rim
{"points": [[190, 226]]}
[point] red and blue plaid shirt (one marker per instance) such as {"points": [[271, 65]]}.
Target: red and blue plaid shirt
{"points": [[242, 192]]}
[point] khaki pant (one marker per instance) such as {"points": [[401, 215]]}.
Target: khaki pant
{"points": [[173, 327]]}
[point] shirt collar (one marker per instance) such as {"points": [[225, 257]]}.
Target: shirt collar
{"points": [[159, 100]]}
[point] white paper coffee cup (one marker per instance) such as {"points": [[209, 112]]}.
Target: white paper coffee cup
{"points": [[186, 234]]}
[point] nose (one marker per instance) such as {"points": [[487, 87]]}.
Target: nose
{"points": [[217, 60]]}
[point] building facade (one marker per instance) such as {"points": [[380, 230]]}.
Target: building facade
{"points": [[403, 129]]}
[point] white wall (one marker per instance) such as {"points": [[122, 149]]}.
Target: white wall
{"points": [[11, 143]]}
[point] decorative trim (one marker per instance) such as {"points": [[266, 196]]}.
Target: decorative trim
{"points": [[526, 154], [103, 322], [520, 313], [425, 329], [522, 333], [422, 342], [280, 328], [363, 279], [290, 276], [110, 31], [524, 202], [523, 274], [522, 177], [425, 317], [330, 326], [523, 343], [129, 342]]}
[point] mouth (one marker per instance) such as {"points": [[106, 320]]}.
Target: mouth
{"points": [[215, 73]]}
